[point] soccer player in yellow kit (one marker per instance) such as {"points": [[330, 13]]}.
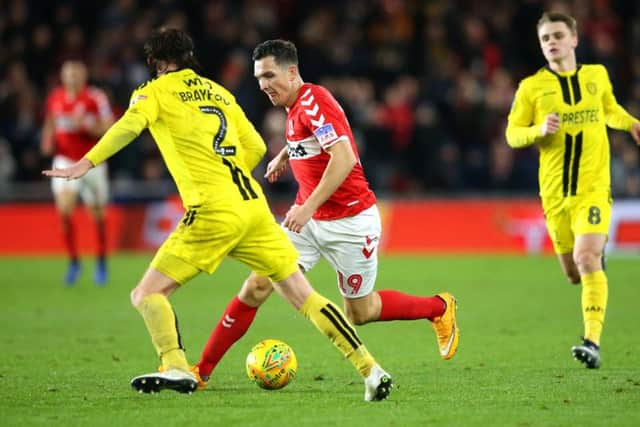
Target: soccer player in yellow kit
{"points": [[565, 109], [210, 148]]}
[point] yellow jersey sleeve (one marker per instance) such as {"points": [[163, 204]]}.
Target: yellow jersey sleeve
{"points": [[615, 115], [127, 128], [521, 129]]}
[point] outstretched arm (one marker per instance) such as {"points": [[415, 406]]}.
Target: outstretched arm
{"points": [[118, 136]]}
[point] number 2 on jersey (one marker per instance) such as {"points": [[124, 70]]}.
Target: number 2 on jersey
{"points": [[238, 177], [222, 131]]}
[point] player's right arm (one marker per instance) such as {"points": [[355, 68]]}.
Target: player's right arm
{"points": [[143, 110], [521, 131], [277, 165]]}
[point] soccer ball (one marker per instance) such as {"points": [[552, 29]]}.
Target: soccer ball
{"points": [[271, 364]]}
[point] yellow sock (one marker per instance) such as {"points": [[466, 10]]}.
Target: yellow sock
{"points": [[330, 321], [163, 327], [594, 304]]}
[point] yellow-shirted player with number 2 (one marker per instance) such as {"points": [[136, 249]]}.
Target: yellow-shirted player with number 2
{"points": [[565, 109], [210, 149]]}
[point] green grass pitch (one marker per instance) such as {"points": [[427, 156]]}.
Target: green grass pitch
{"points": [[68, 353]]}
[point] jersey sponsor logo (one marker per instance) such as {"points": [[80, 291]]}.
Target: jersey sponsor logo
{"points": [[325, 133], [303, 149], [580, 117], [297, 151]]}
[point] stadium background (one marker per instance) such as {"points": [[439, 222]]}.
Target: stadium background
{"points": [[427, 86]]}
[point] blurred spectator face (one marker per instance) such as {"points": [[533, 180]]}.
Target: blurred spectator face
{"points": [[556, 41], [73, 75], [276, 81]]}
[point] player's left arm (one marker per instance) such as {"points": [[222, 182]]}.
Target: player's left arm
{"points": [[341, 162], [615, 115]]}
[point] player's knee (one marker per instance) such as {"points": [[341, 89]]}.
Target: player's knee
{"points": [[97, 212], [65, 212], [255, 290], [137, 295], [587, 261]]}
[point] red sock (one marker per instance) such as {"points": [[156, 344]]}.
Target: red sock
{"points": [[399, 306], [102, 238], [232, 326], [68, 231]]}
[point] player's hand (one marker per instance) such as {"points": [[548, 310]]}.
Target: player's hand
{"points": [[635, 132], [75, 171], [550, 125], [296, 218], [275, 168]]}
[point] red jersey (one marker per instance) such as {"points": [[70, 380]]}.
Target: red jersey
{"points": [[314, 123], [72, 116]]}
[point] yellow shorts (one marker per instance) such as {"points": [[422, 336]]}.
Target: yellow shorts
{"points": [[205, 237], [572, 216]]}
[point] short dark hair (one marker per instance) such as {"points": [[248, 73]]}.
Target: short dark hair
{"points": [[171, 45], [283, 51], [570, 21]]}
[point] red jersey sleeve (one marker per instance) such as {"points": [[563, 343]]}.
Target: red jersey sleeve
{"points": [[323, 116]]}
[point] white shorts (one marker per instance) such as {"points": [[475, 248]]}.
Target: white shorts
{"points": [[348, 244], [93, 187]]}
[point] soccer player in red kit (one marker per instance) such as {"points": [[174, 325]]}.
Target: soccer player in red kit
{"points": [[334, 215], [76, 116]]}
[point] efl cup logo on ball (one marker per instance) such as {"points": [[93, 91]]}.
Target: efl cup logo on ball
{"points": [[271, 364]]}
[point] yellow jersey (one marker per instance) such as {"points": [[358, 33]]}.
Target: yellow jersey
{"points": [[575, 159], [207, 142]]}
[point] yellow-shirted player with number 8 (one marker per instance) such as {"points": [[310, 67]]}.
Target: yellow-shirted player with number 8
{"points": [[565, 109], [210, 148]]}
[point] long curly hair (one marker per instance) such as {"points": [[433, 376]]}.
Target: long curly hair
{"points": [[170, 45]]}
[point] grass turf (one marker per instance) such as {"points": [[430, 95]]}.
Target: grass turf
{"points": [[68, 353]]}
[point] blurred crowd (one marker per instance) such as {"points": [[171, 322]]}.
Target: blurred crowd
{"points": [[427, 85]]}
